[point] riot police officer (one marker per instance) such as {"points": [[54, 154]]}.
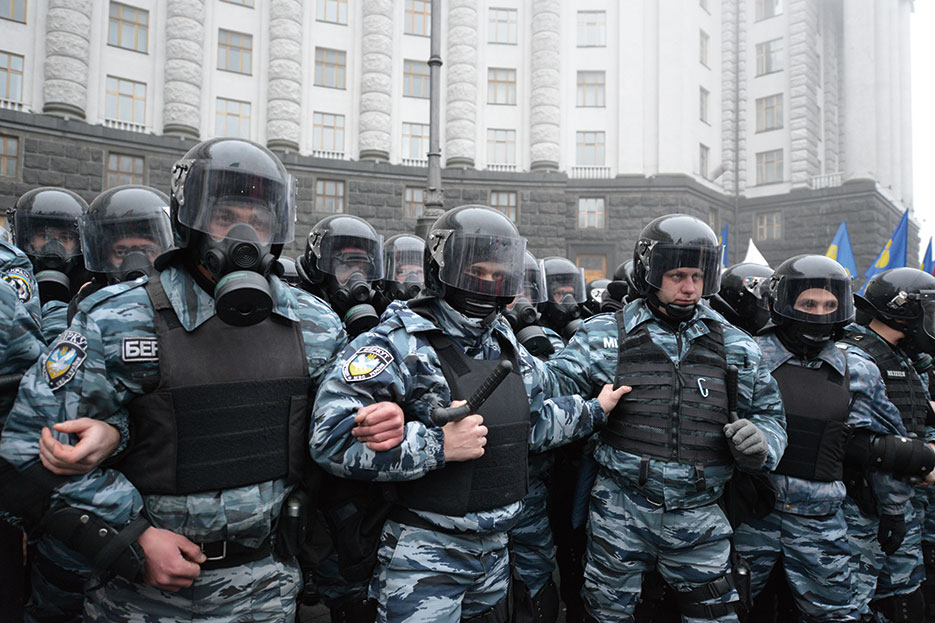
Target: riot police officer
{"points": [[457, 487], [672, 443], [402, 264], [564, 285], [213, 347], [524, 317], [742, 297]]}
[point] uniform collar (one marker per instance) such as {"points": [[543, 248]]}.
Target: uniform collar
{"points": [[462, 330], [830, 354], [637, 313], [193, 306]]}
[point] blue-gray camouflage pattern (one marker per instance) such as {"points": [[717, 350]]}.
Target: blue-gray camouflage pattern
{"points": [[98, 383], [54, 320], [660, 519]]}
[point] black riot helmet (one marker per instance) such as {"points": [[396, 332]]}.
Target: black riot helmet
{"points": [[620, 290], [343, 258], [233, 207], [810, 301], [289, 273], [742, 299], [124, 230], [402, 263], [904, 299], [594, 291], [522, 313], [45, 226], [564, 287], [474, 260]]}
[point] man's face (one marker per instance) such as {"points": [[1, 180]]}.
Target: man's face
{"points": [[123, 246], [66, 235], [229, 212], [816, 301], [681, 286], [493, 272], [411, 272], [352, 260], [562, 290]]}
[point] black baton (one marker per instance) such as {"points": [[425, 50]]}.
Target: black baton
{"points": [[9, 381], [731, 382], [443, 415]]}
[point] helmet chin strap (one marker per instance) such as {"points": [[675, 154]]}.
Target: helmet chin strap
{"points": [[673, 311]]}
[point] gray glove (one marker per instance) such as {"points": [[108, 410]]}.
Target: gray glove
{"points": [[747, 443]]}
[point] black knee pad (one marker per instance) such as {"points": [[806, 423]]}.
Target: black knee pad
{"points": [[354, 611], [908, 608], [498, 614], [545, 603], [690, 600]]}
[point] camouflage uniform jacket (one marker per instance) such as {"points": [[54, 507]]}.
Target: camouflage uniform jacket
{"points": [[97, 383], [811, 497], [413, 379], [590, 360], [54, 320]]}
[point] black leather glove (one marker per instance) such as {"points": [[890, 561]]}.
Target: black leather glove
{"points": [[891, 533]]}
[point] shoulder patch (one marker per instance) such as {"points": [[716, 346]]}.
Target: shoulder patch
{"points": [[21, 281], [366, 363], [135, 349], [63, 361], [896, 374], [109, 292]]}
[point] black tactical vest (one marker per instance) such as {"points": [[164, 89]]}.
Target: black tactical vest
{"points": [[676, 411], [230, 408], [500, 476], [904, 387], [817, 402]]}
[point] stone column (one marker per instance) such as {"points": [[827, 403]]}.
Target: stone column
{"points": [[461, 106], [185, 35], [804, 72], [544, 96], [883, 44], [905, 120], [284, 86], [859, 85], [376, 80], [67, 47]]}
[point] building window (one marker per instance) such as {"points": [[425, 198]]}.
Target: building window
{"points": [[591, 89], [329, 68], [328, 132], [769, 167], [769, 113], [767, 8], [9, 152], [129, 27], [592, 29], [13, 10], [501, 86], [232, 118], [415, 141], [416, 79], [418, 19], [334, 11], [413, 202], [594, 265], [501, 26], [125, 101], [703, 40], [235, 52], [589, 149], [590, 213], [11, 77], [329, 196], [768, 226], [703, 155], [123, 169], [703, 104], [246, 3], [505, 201], [768, 57], [501, 146]]}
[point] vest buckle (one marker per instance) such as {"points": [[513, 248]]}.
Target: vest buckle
{"points": [[215, 550]]}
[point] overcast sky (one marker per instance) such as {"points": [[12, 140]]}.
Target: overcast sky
{"points": [[923, 117]]}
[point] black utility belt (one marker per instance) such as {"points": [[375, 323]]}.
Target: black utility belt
{"points": [[226, 554]]}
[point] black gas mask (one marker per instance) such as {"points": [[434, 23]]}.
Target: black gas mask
{"points": [[239, 263], [524, 319], [352, 300], [805, 339], [51, 268], [135, 264], [475, 305], [916, 342], [563, 317]]}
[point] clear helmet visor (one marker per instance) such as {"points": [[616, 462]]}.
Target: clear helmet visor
{"points": [[482, 264], [666, 257], [928, 313], [213, 201], [533, 282], [110, 244], [343, 256], [47, 236], [818, 301], [565, 286], [404, 265]]}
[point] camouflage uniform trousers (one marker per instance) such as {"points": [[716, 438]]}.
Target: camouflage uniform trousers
{"points": [[815, 555], [427, 576], [531, 539], [629, 535], [263, 591], [866, 556], [903, 571], [57, 594]]}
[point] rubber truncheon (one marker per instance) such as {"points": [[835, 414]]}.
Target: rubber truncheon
{"points": [[731, 381], [443, 415]]}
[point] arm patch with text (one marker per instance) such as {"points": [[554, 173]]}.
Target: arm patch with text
{"points": [[139, 349]]}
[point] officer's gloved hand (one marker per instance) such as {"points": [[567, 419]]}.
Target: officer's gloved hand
{"points": [[891, 533], [747, 443]]}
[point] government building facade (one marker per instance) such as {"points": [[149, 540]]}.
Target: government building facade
{"points": [[580, 119]]}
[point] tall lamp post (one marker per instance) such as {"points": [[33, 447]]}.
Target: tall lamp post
{"points": [[434, 196]]}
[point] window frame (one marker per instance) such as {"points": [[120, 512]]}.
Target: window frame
{"points": [[10, 74], [409, 17], [227, 47], [119, 174], [118, 95], [585, 145], [339, 65], [597, 89], [768, 54], [777, 112], [319, 129], [602, 256], [510, 209], [422, 139], [600, 216], [704, 161], [771, 229], [508, 144], [12, 5], [135, 25], [704, 41], [760, 11], [409, 201], [764, 164], [410, 78], [599, 28], [512, 26], [704, 99], [493, 83], [321, 188], [240, 123], [321, 12], [6, 158]]}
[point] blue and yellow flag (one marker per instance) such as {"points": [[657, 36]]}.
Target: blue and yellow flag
{"points": [[840, 250], [722, 240], [927, 264], [893, 254]]}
